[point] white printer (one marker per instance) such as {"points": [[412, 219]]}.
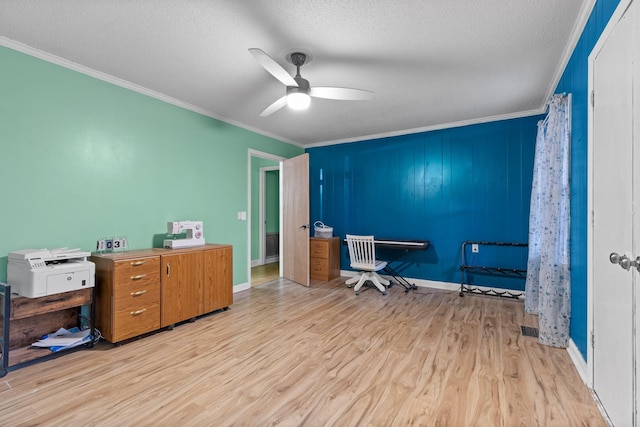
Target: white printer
{"points": [[36, 273]]}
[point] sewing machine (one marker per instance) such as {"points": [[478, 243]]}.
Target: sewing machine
{"points": [[34, 273], [194, 237]]}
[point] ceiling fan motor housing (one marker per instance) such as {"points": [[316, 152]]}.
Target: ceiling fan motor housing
{"points": [[303, 86], [298, 98]]}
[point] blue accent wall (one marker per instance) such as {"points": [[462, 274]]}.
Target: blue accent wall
{"points": [[446, 186], [575, 81], [470, 183]]}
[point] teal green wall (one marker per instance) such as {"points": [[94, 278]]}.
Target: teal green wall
{"points": [[272, 201], [82, 158], [256, 164]]}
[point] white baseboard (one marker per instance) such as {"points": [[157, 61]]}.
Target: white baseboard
{"points": [[579, 363], [447, 286], [241, 287], [268, 260], [272, 259]]}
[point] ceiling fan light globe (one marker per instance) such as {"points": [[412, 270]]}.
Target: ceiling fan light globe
{"points": [[298, 100]]}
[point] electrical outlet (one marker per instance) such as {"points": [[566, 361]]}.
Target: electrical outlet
{"points": [[474, 248]]}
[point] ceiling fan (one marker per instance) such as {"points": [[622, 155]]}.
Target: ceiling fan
{"points": [[299, 92]]}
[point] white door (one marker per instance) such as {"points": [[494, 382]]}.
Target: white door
{"points": [[614, 224], [295, 219]]}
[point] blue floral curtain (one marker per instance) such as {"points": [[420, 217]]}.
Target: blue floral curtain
{"points": [[548, 286]]}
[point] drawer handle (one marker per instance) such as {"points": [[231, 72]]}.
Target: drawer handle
{"points": [[138, 293], [138, 277], [137, 263], [138, 312]]}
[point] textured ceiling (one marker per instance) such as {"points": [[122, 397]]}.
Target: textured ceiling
{"points": [[430, 63]]}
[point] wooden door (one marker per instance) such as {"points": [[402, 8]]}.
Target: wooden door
{"points": [[613, 227], [218, 278], [181, 288], [295, 219]]}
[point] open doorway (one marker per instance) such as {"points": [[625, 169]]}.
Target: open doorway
{"points": [[269, 215], [267, 266], [264, 217]]}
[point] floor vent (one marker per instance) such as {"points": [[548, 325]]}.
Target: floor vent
{"points": [[529, 331]]}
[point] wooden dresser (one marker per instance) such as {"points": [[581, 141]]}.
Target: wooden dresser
{"points": [[141, 291], [324, 254]]}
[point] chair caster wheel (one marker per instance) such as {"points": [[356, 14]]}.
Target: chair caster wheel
{"points": [[357, 293], [384, 293]]}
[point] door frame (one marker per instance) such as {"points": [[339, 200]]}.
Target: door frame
{"points": [[615, 17], [260, 154]]}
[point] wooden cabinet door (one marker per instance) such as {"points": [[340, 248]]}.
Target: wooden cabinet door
{"points": [[218, 278], [181, 287]]}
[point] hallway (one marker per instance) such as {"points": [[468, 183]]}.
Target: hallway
{"points": [[262, 274]]}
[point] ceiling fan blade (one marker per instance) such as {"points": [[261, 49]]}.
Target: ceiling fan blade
{"points": [[274, 107], [341, 93], [273, 67]]}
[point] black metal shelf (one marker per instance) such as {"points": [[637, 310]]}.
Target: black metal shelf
{"points": [[5, 292], [466, 268]]}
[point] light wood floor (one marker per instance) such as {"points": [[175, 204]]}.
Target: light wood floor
{"points": [[290, 355], [262, 274]]}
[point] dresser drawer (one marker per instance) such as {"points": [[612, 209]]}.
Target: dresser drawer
{"points": [[140, 271], [136, 310], [133, 295], [319, 248], [319, 266], [324, 258], [130, 323]]}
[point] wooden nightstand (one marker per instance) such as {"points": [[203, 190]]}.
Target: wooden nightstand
{"points": [[324, 258]]}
